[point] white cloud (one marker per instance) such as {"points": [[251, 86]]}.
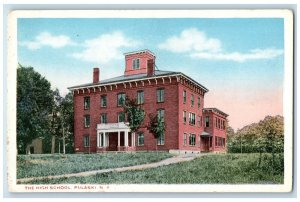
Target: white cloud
{"points": [[47, 39], [105, 47], [240, 57], [196, 44], [191, 40]]}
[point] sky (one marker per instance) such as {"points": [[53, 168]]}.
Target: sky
{"points": [[240, 60]]}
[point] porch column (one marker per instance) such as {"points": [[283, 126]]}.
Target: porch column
{"points": [[118, 138], [126, 139], [107, 139], [104, 139], [132, 139], [100, 139], [97, 139]]}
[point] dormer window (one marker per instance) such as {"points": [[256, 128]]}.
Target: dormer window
{"points": [[136, 63]]}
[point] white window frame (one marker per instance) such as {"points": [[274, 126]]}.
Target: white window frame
{"points": [[86, 141], [85, 121], [136, 63], [141, 137], [101, 101], [160, 95], [140, 97], [192, 142], [161, 140], [101, 118], [192, 118]]}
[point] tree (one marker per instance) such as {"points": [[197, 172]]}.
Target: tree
{"points": [[67, 121], [156, 126], [34, 104], [135, 114], [62, 121]]}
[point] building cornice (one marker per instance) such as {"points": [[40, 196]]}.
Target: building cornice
{"points": [[180, 77]]}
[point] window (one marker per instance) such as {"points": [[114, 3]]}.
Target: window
{"points": [[86, 141], [103, 101], [216, 122], [192, 140], [140, 139], [184, 96], [207, 121], [184, 139], [219, 123], [121, 117], [199, 103], [220, 142], [121, 99], [160, 94], [184, 117], [87, 121], [161, 140], [192, 118], [86, 102], [199, 121], [135, 63], [103, 118], [140, 97], [192, 100], [161, 114]]}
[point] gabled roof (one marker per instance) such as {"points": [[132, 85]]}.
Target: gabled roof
{"points": [[213, 109], [128, 78]]}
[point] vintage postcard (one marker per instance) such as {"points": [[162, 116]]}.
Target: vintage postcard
{"points": [[150, 101]]}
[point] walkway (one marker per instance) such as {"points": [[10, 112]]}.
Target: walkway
{"points": [[168, 161]]}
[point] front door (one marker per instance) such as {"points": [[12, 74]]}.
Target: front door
{"points": [[31, 150], [206, 144]]}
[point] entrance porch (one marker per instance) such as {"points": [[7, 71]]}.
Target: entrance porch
{"points": [[115, 137], [206, 142]]}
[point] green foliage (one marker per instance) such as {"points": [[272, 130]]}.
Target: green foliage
{"points": [[210, 169], [34, 104], [135, 114], [62, 121], [156, 126], [42, 112], [265, 136], [57, 164]]}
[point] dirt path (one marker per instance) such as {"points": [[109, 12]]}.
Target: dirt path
{"points": [[168, 161]]}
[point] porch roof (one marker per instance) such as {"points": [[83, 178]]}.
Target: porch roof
{"points": [[205, 134], [113, 127]]}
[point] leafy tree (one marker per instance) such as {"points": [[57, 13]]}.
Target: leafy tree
{"points": [[34, 104], [135, 114], [62, 122], [67, 121], [156, 126]]}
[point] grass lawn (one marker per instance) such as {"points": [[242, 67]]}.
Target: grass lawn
{"points": [[47, 164], [210, 169]]}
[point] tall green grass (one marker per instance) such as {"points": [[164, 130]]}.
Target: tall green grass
{"points": [[45, 164], [210, 169]]}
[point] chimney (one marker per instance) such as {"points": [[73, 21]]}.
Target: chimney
{"points": [[96, 75], [150, 67]]}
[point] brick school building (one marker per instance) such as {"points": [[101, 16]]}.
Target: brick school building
{"points": [[100, 123]]}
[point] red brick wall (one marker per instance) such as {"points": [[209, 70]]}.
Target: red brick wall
{"points": [[170, 105], [144, 57], [187, 128], [216, 131]]}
